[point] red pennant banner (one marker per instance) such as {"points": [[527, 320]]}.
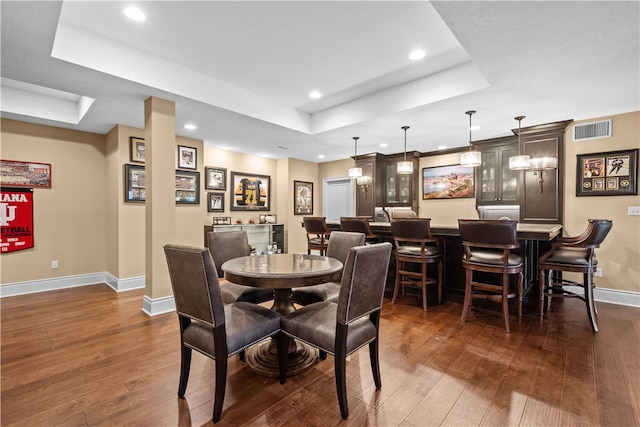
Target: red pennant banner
{"points": [[16, 219]]}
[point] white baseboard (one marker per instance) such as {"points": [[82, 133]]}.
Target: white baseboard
{"points": [[156, 306], [613, 296], [43, 285]]}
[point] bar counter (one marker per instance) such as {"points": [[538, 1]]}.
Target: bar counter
{"points": [[534, 239]]}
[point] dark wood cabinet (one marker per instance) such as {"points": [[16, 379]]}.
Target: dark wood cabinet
{"points": [[387, 188], [496, 183]]}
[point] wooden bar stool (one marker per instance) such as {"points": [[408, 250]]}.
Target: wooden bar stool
{"points": [[359, 224], [488, 246], [576, 254], [317, 233]]}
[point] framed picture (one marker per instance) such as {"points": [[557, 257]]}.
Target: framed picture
{"points": [[215, 178], [25, 174], [136, 149], [302, 198], [612, 173], [187, 187], [134, 184], [251, 192], [447, 182], [187, 157], [215, 202]]}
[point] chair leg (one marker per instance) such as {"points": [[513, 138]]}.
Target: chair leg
{"points": [[588, 296], [467, 294], [185, 367], [395, 289], [440, 282], [424, 286], [340, 367], [221, 385], [519, 294], [375, 363], [541, 286], [505, 301]]}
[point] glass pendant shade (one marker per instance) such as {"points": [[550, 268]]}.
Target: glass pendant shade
{"points": [[521, 162], [355, 172], [404, 168], [544, 163], [470, 159]]}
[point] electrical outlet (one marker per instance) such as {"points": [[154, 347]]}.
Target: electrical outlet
{"points": [[633, 210], [598, 272], [54, 263]]}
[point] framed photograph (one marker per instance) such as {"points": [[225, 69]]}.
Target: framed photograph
{"points": [[215, 202], [187, 157], [447, 182], [25, 174], [136, 149], [134, 185], [187, 187], [612, 173], [302, 198], [215, 178], [251, 192]]}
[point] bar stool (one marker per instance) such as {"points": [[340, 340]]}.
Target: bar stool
{"points": [[359, 224], [317, 233], [576, 254], [487, 248], [414, 244]]}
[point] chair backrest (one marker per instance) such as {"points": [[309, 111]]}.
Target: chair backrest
{"points": [[363, 280], [599, 228], [226, 245], [489, 233], [356, 224], [402, 213], [341, 242], [315, 224], [417, 229], [194, 280]]}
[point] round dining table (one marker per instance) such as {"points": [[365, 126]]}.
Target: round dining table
{"points": [[281, 272]]}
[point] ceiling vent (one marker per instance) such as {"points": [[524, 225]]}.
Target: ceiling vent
{"points": [[601, 129]]}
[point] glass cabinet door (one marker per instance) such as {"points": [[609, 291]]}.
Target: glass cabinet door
{"points": [[509, 178], [488, 177], [404, 188], [391, 194]]}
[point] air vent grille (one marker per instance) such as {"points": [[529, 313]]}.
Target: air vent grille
{"points": [[601, 129]]}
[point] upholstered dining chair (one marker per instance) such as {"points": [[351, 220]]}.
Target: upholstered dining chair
{"points": [[359, 224], [317, 233], [339, 245], [343, 328], [491, 246], [573, 254], [209, 326], [226, 245], [415, 244]]}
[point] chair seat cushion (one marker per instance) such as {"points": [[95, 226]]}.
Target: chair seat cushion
{"points": [[570, 257], [430, 251], [232, 292], [245, 323], [317, 293], [316, 241], [490, 258], [316, 324]]}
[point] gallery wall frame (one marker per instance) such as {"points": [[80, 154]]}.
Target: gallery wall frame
{"points": [[16, 173], [187, 157], [302, 198], [447, 182], [215, 202], [611, 173], [134, 183], [215, 178], [187, 187], [136, 149], [251, 192]]}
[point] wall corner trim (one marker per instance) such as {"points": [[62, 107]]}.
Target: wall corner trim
{"points": [[155, 306]]}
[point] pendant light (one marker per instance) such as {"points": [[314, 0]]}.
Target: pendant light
{"points": [[404, 168], [521, 161], [471, 158], [355, 172]]}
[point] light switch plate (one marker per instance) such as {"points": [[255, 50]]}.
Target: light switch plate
{"points": [[633, 210]]}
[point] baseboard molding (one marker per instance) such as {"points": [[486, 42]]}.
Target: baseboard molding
{"points": [[44, 285], [613, 296], [156, 306]]}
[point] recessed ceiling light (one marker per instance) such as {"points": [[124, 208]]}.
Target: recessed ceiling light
{"points": [[384, 145], [416, 54], [135, 14], [441, 147], [225, 147], [315, 95], [321, 156], [190, 126], [474, 127]]}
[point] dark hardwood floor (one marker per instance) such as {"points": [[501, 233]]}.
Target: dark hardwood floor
{"points": [[90, 356]]}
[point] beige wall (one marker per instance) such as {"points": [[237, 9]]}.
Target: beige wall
{"points": [[70, 217]]}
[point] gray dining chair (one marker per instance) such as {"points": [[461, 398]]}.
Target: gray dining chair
{"points": [[209, 326], [226, 245], [343, 328], [339, 245]]}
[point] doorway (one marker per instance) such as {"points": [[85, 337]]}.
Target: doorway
{"points": [[337, 200]]}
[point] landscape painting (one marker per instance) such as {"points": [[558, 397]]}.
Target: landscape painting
{"points": [[447, 182]]}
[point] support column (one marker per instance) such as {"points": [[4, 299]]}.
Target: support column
{"points": [[160, 205]]}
